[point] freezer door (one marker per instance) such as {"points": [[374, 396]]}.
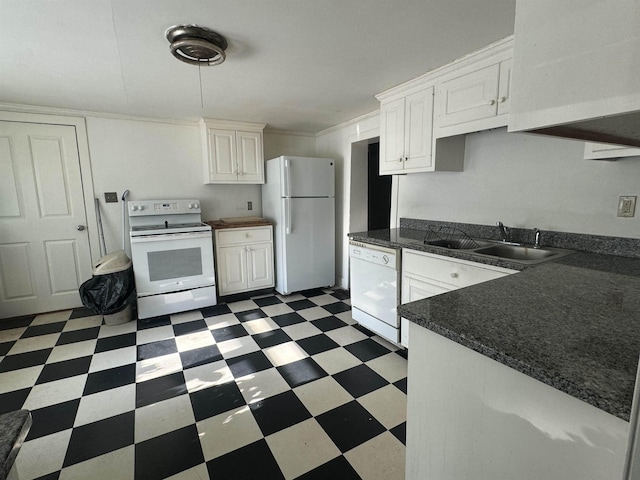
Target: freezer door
{"points": [[307, 177], [307, 245]]}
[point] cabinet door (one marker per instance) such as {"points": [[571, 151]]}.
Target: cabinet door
{"points": [[418, 130], [416, 288], [222, 155], [260, 266], [232, 269], [392, 117], [468, 97], [250, 159], [504, 87]]}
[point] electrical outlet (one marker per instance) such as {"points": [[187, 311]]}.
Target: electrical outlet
{"points": [[111, 197], [249, 205], [627, 206]]}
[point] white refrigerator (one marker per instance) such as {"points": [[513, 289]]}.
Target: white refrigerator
{"points": [[299, 197]]}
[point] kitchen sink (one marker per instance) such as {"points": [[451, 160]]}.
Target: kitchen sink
{"points": [[458, 244], [523, 253], [515, 252]]}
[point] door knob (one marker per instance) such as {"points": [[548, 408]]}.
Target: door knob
{"points": [[81, 227]]}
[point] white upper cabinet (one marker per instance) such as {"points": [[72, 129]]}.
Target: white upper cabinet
{"points": [[233, 152], [474, 93], [423, 121], [406, 133], [604, 151], [576, 69]]}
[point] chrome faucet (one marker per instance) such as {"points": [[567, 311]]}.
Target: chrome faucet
{"points": [[536, 243], [504, 232]]}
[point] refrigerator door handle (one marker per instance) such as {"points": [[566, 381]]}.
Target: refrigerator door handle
{"points": [[287, 178], [287, 220]]}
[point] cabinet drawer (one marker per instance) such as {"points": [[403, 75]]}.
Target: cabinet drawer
{"points": [[243, 236], [454, 272]]}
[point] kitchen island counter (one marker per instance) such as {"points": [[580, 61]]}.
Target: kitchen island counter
{"points": [[575, 329]]}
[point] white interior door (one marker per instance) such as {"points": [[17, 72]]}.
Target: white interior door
{"points": [[44, 245]]}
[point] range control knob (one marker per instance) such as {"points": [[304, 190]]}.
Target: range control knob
{"points": [[193, 205], [134, 207]]}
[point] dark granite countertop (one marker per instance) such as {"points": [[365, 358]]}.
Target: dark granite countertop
{"points": [[573, 323], [14, 427], [412, 238]]}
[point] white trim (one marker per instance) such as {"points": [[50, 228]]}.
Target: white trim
{"points": [[394, 222], [342, 125], [491, 50], [231, 124], [39, 110], [365, 136], [291, 133]]}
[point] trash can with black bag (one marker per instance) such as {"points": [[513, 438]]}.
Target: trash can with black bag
{"points": [[111, 290]]}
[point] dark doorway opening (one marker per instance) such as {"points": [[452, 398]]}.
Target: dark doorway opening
{"points": [[378, 191]]}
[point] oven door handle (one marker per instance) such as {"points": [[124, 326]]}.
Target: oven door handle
{"points": [[163, 237]]}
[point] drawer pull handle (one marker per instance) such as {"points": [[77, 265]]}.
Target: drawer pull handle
{"points": [[454, 275]]}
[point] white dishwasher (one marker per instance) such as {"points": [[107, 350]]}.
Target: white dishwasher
{"points": [[375, 287]]}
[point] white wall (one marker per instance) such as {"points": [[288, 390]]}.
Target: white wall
{"points": [[526, 181], [336, 143], [288, 143], [523, 180], [165, 160]]}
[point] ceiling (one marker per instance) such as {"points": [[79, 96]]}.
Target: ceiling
{"points": [[297, 65]]}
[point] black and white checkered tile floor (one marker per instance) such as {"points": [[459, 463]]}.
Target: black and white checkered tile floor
{"points": [[268, 388]]}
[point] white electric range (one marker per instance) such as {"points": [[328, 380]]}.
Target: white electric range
{"points": [[172, 255]]}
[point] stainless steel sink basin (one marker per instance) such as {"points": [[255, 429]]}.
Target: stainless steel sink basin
{"points": [[514, 252], [523, 253], [458, 244]]}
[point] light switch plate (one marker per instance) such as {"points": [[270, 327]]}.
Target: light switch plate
{"points": [[627, 206]]}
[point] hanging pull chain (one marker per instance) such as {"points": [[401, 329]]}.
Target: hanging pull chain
{"points": [[201, 96]]}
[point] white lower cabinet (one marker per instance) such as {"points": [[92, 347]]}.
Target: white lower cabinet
{"points": [[244, 259], [426, 274], [471, 417]]}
